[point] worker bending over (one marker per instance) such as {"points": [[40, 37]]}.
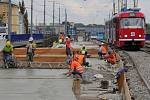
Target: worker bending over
{"points": [[75, 67], [111, 57]]}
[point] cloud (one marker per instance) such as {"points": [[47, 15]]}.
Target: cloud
{"points": [[89, 11]]}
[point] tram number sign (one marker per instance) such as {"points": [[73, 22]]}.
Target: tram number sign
{"points": [[132, 33], [132, 14]]}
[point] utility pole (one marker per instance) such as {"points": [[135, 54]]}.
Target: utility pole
{"points": [[66, 22], [114, 7], [53, 16], [122, 4], [135, 3], [9, 20], [118, 6], [31, 17], [44, 15], [126, 4], [59, 18]]}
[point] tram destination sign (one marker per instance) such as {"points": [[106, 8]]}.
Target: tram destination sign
{"points": [[132, 14]]}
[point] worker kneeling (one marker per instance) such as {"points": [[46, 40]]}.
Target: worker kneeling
{"points": [[111, 58], [76, 68]]}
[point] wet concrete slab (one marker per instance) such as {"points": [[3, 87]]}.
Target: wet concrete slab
{"points": [[35, 84]]}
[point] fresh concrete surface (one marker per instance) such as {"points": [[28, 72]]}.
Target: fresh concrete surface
{"points": [[35, 84]]}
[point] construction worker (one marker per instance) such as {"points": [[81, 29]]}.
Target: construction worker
{"points": [[104, 51], [100, 52], [76, 38], [76, 68], [111, 58], [68, 46], [31, 46], [61, 38], [75, 54], [7, 51], [82, 59], [84, 50]]}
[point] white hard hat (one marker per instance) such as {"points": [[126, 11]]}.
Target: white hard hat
{"points": [[83, 52], [66, 37], [31, 39], [102, 43], [60, 40], [83, 45]]}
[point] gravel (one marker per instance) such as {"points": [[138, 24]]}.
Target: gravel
{"points": [[138, 89]]}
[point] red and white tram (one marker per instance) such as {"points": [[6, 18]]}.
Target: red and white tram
{"points": [[126, 29]]}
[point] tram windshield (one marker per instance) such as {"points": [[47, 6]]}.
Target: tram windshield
{"points": [[132, 23]]}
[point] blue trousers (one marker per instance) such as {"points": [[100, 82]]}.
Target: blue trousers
{"points": [[68, 51]]}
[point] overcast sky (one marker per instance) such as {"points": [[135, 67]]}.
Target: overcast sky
{"points": [[81, 11]]}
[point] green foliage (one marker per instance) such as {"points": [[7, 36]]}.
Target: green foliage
{"points": [[22, 7], [26, 22], [1, 18]]}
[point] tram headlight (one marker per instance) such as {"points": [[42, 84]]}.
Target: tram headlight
{"points": [[125, 36], [140, 36]]}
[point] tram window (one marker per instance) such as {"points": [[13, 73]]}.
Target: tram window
{"points": [[126, 22], [132, 23]]}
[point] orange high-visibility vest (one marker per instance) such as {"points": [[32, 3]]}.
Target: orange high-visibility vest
{"points": [[81, 59], [75, 65], [104, 51], [112, 58]]}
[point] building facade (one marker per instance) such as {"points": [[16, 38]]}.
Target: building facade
{"points": [[15, 15]]}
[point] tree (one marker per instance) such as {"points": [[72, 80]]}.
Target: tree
{"points": [[26, 22], [1, 18], [22, 7], [23, 11]]}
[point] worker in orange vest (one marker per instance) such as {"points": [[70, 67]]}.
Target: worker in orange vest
{"points": [[82, 59], [103, 48], [61, 38], [76, 68], [111, 58]]}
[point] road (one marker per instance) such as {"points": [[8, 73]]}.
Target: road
{"points": [[35, 84]]}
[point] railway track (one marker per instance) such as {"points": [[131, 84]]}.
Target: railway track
{"points": [[139, 74]]}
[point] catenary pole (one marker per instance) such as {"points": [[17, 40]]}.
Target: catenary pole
{"points": [[31, 18], [44, 16], [9, 20]]}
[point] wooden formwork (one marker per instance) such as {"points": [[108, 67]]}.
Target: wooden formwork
{"points": [[49, 54], [122, 84]]}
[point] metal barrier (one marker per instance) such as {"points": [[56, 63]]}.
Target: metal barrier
{"points": [[25, 37], [21, 39]]}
